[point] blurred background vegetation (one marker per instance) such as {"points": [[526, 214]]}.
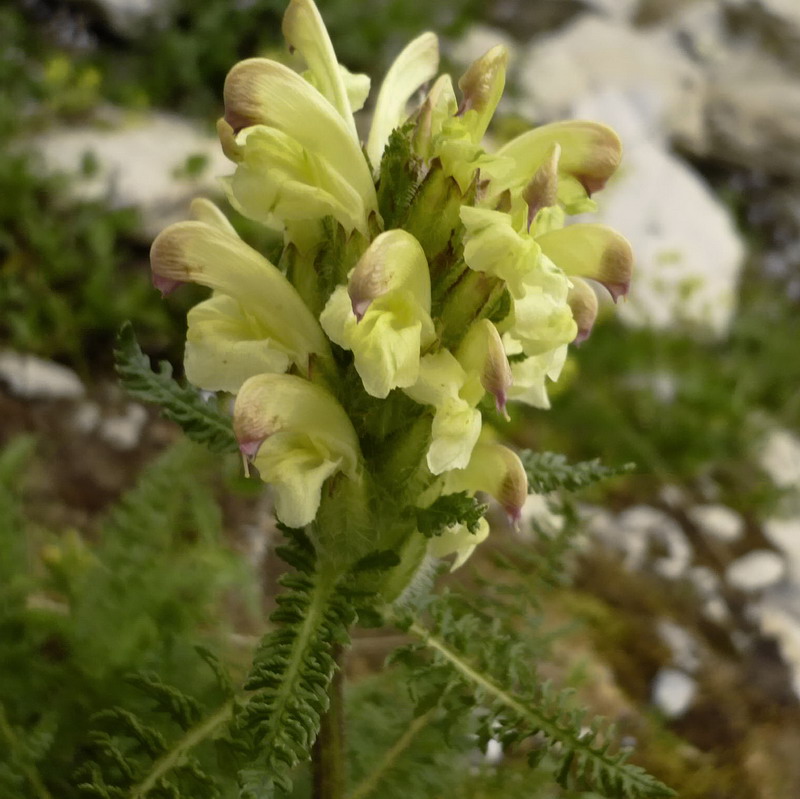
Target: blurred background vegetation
{"points": [[94, 587]]}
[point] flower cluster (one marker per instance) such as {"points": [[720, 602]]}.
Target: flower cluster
{"points": [[423, 283]]}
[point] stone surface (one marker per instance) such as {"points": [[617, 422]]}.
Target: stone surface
{"points": [[682, 645], [784, 534], [34, 378], [753, 117], [127, 17], [124, 431], [776, 22], [141, 162], [756, 570], [688, 252], [673, 692], [477, 41], [717, 521], [646, 536], [594, 54], [779, 456]]}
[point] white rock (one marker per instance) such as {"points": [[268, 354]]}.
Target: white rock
{"points": [[616, 9], [681, 643], [594, 54], [87, 417], [127, 17], [641, 528], [756, 570], [139, 163], [687, 250], [785, 535], [718, 521], [779, 456], [779, 618], [536, 512], [124, 432], [707, 584], [35, 378], [673, 692]]}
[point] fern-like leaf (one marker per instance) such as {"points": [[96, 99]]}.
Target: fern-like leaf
{"points": [[292, 672], [450, 509], [475, 663], [181, 404], [550, 471]]}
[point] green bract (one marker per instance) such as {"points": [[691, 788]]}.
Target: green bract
{"points": [[420, 272]]}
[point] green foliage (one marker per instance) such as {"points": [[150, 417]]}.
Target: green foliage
{"points": [[550, 471], [465, 663], [450, 509], [183, 405], [131, 758], [399, 178], [75, 621], [291, 672]]}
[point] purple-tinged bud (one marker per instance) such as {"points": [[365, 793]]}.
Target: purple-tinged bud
{"points": [[542, 190], [583, 302]]}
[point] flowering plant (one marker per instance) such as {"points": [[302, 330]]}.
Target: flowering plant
{"points": [[423, 283], [419, 274]]}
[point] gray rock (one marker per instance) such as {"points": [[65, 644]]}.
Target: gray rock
{"points": [[640, 530], [784, 534], [753, 117], [128, 17], [682, 644], [673, 692], [29, 377], [778, 455], [775, 22], [594, 54], [778, 617], [139, 162], [718, 521], [688, 252], [756, 571], [124, 431]]}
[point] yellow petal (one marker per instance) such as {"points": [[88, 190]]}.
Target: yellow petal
{"points": [[276, 178], [305, 32], [204, 210], [201, 253], [459, 540], [416, 64], [590, 153], [225, 346], [594, 251], [482, 87], [498, 471], [262, 92], [269, 404]]}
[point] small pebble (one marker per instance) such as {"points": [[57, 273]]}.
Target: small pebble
{"points": [[125, 431], [673, 692], [718, 521], [756, 570], [35, 378]]}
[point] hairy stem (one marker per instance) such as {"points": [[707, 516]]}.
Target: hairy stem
{"points": [[172, 758], [328, 754], [368, 785]]}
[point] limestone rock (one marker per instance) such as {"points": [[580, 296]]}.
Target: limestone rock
{"points": [[594, 54], [155, 163], [35, 378], [756, 570], [718, 521], [673, 692], [688, 253]]}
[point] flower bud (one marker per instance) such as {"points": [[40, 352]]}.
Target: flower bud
{"points": [[593, 251], [482, 354], [583, 302], [542, 190], [482, 86]]}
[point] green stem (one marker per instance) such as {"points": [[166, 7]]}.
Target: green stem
{"points": [[368, 785], [328, 754], [193, 737]]}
